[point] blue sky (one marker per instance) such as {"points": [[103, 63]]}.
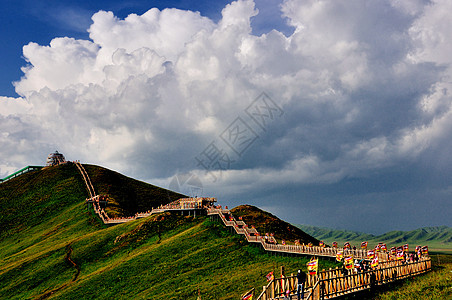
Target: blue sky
{"points": [[329, 113], [24, 21]]}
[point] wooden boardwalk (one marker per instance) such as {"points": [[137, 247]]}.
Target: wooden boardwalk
{"points": [[184, 206], [327, 284], [332, 283], [269, 244]]}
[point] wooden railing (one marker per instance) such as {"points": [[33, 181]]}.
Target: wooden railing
{"points": [[250, 234], [333, 283], [94, 199], [86, 179], [326, 284]]}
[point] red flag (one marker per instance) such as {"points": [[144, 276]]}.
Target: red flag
{"points": [[249, 295], [269, 276]]}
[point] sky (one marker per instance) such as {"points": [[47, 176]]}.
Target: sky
{"points": [[332, 113]]}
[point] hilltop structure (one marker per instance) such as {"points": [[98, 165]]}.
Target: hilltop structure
{"points": [[55, 159]]}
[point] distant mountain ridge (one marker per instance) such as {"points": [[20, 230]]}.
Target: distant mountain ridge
{"points": [[437, 237]]}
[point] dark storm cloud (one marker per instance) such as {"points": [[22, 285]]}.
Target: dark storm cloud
{"points": [[362, 90]]}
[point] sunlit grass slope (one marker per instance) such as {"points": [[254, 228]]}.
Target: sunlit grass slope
{"points": [[433, 285]]}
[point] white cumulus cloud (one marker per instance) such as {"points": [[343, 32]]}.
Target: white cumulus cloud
{"points": [[364, 86]]}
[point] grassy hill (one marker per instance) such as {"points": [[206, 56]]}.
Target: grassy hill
{"points": [[265, 222], [439, 239], [52, 246], [126, 195]]}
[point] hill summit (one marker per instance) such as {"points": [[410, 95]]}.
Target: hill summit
{"points": [[265, 222]]}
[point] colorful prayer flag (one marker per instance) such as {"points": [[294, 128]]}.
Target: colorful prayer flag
{"points": [[334, 244], [405, 247], [313, 266], [347, 245], [339, 255], [378, 248], [321, 244], [348, 262], [384, 248], [364, 245], [269, 276], [310, 245], [374, 262], [371, 254], [393, 250], [283, 242], [400, 253], [249, 295], [425, 250]]}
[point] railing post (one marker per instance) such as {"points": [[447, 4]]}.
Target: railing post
{"points": [[272, 289]]}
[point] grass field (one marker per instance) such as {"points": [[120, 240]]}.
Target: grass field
{"points": [[436, 284], [161, 257]]}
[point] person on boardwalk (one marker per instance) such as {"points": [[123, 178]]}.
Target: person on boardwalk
{"points": [[301, 278]]}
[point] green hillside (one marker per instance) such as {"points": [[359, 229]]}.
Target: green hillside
{"points": [[52, 246], [126, 195], [439, 239]]}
